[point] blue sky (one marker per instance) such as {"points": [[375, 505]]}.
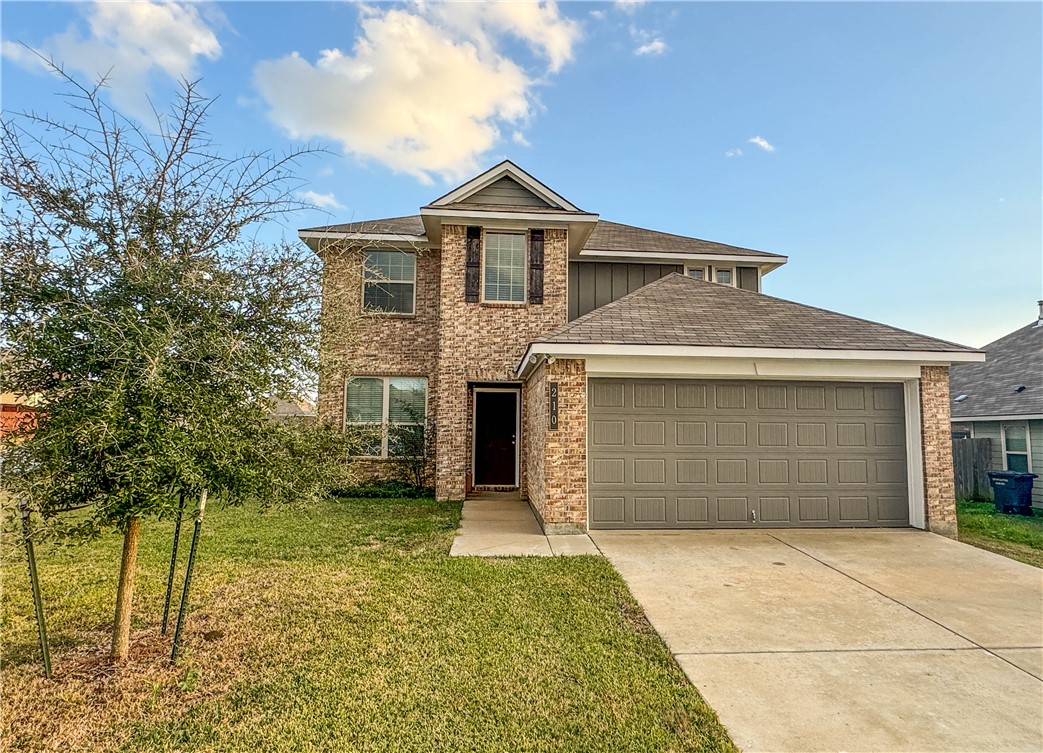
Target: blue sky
{"points": [[893, 151]]}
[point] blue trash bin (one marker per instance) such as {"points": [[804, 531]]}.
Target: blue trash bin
{"points": [[1013, 491]]}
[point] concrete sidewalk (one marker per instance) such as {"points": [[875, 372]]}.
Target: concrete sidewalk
{"points": [[502, 525]]}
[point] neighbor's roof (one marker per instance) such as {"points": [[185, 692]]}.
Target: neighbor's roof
{"points": [[1011, 362], [679, 310], [607, 236]]}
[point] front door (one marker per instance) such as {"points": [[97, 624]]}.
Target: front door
{"points": [[496, 437]]}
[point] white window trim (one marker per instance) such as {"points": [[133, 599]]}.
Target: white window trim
{"points": [[699, 267], [381, 312], [1028, 444], [734, 272], [517, 430], [525, 268], [385, 422]]}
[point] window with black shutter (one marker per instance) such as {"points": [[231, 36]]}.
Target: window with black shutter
{"points": [[535, 266], [473, 280]]}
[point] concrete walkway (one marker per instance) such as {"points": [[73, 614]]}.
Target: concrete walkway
{"points": [[847, 640], [502, 525]]}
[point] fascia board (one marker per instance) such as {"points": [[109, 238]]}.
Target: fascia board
{"points": [[1010, 417], [631, 256], [566, 350]]}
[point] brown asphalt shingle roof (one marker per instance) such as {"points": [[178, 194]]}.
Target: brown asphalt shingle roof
{"points": [[611, 236], [606, 236], [411, 225], [1012, 361], [679, 310]]}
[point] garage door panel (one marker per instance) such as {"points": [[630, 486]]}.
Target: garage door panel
{"points": [[691, 454]]}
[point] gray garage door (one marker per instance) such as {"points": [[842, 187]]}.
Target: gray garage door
{"points": [[714, 454]]}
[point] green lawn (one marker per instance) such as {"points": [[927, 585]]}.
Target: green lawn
{"points": [[1016, 536], [346, 627]]}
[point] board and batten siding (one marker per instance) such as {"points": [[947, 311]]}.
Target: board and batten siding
{"points": [[991, 430], [593, 284], [507, 192]]}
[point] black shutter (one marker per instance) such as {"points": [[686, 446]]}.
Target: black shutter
{"points": [[473, 280], [535, 266]]}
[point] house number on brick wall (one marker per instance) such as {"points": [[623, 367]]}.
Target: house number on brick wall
{"points": [[553, 406]]}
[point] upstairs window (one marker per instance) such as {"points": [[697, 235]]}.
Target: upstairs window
{"points": [[376, 405], [505, 265], [389, 281], [697, 273], [724, 276], [1016, 448]]}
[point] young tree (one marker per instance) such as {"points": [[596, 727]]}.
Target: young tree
{"points": [[153, 330]]}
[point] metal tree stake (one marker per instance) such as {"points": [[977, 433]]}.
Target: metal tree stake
{"points": [[183, 607], [34, 580], [173, 562]]}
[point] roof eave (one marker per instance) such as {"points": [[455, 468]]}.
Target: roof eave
{"points": [[580, 224], [766, 262], [999, 417], [583, 350], [319, 240]]}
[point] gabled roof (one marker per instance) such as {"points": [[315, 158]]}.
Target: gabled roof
{"points": [[679, 310], [1011, 362], [547, 197]]}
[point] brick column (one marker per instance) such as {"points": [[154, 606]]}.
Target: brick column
{"points": [[936, 420], [557, 460]]}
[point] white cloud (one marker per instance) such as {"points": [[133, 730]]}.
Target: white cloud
{"points": [[130, 42], [628, 6], [424, 90], [519, 138], [762, 143], [324, 200], [325, 171], [598, 14], [733, 153], [648, 42], [656, 47]]}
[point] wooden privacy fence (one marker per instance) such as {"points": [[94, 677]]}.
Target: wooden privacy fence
{"points": [[970, 461]]}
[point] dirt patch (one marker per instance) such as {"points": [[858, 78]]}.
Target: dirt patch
{"points": [[89, 704]]}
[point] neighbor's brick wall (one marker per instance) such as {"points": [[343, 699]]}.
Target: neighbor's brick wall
{"points": [[377, 344], [939, 485], [484, 343], [557, 460]]}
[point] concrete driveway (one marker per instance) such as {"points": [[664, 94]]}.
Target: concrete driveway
{"points": [[847, 640]]}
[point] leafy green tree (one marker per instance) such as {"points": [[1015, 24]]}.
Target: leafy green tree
{"points": [[152, 329]]}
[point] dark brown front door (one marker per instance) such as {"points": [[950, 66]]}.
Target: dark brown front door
{"points": [[496, 438]]}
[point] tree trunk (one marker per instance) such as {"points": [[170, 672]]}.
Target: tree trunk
{"points": [[125, 593]]}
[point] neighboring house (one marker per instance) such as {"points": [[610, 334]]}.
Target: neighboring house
{"points": [[619, 377], [1002, 399], [289, 411], [17, 413]]}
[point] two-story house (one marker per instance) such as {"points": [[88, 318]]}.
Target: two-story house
{"points": [[618, 377]]}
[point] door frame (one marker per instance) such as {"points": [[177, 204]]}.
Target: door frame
{"points": [[517, 431]]}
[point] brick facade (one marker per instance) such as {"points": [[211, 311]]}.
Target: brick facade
{"points": [[378, 344], [483, 342], [557, 460], [939, 485]]}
